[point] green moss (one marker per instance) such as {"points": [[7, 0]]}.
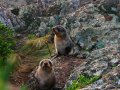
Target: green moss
{"points": [[82, 81]]}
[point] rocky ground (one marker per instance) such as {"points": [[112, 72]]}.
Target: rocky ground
{"points": [[104, 63], [63, 67], [94, 27], [100, 36]]}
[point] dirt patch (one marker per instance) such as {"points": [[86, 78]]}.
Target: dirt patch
{"points": [[63, 67], [20, 75]]}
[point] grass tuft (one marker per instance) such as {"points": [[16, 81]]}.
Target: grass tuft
{"points": [[38, 42], [35, 44], [82, 81], [38, 47]]}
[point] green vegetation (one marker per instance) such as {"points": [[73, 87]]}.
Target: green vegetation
{"points": [[24, 87], [5, 72], [6, 43], [31, 36], [7, 56], [82, 81], [6, 62]]}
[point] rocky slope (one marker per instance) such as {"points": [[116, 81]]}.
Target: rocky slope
{"points": [[99, 36], [94, 27], [29, 13]]}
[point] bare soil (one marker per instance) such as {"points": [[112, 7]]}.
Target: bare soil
{"points": [[63, 65]]}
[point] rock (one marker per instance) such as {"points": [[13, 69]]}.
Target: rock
{"points": [[28, 14], [110, 2], [19, 36], [94, 27], [4, 18], [15, 11], [114, 61], [107, 82], [10, 20], [100, 44], [100, 63], [118, 82], [108, 18], [12, 3], [98, 85]]}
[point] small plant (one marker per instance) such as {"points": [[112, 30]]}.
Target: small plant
{"points": [[31, 36], [82, 81]]}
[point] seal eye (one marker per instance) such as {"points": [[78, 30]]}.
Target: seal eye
{"points": [[50, 63], [60, 29]]}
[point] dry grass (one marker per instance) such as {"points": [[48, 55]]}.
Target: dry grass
{"points": [[38, 47]]}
